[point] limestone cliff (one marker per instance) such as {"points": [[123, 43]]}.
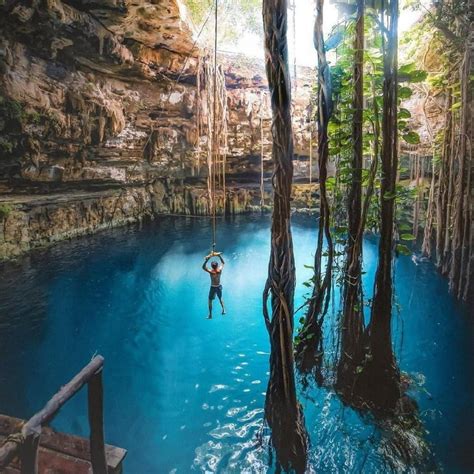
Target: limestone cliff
{"points": [[99, 113]]}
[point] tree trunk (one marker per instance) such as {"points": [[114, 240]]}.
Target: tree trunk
{"points": [[442, 189], [426, 246], [282, 409], [309, 349], [352, 324], [379, 381], [460, 235]]}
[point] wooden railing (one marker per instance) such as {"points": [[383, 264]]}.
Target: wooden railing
{"points": [[25, 443]]}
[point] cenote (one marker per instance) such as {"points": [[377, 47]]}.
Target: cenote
{"points": [[185, 394]]}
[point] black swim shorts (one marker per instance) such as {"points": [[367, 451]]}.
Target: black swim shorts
{"points": [[215, 290]]}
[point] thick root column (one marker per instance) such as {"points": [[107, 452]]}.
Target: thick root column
{"points": [[282, 410]]}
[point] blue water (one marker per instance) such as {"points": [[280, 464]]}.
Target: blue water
{"points": [[186, 394]]}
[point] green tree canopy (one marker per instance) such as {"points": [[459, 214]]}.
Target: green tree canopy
{"points": [[235, 18]]}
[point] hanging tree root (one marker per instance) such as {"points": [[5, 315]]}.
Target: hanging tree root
{"points": [[378, 384], [282, 410], [352, 309], [212, 125], [309, 350]]}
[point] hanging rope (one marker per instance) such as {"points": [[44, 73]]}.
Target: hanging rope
{"points": [[213, 146], [262, 189], [212, 124], [311, 148]]}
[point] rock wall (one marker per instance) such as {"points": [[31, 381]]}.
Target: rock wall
{"points": [[35, 221], [84, 85], [98, 119]]}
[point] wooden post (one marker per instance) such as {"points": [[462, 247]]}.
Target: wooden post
{"points": [[29, 453], [96, 424], [26, 442]]}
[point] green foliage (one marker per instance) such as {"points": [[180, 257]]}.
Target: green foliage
{"points": [[14, 112], [404, 92], [11, 109], [235, 17], [404, 113], [35, 118], [5, 210], [6, 146], [409, 73], [411, 137], [402, 250]]}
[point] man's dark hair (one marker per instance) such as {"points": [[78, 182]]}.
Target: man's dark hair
{"points": [[214, 265]]}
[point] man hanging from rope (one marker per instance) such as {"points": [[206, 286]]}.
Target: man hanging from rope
{"points": [[215, 274]]}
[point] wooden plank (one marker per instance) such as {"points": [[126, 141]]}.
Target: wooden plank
{"points": [[96, 422], [71, 445], [52, 462], [60, 398], [8, 451], [65, 463]]}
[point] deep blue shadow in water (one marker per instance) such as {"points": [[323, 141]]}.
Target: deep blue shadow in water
{"points": [[184, 393]]}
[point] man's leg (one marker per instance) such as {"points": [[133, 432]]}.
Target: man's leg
{"points": [[210, 309], [221, 301]]}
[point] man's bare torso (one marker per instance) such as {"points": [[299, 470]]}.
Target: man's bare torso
{"points": [[215, 277]]}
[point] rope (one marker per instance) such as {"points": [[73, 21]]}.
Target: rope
{"points": [[262, 190], [214, 148], [16, 438], [311, 147], [178, 79]]}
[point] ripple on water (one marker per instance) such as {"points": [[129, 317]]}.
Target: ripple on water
{"points": [[235, 448], [138, 298], [217, 387], [235, 411]]}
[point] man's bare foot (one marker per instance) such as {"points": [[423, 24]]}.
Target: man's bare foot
{"points": [[223, 311], [209, 317]]}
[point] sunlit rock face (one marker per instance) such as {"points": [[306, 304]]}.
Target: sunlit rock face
{"points": [[249, 109], [89, 82], [98, 104]]}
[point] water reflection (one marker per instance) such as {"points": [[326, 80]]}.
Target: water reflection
{"points": [[185, 393]]}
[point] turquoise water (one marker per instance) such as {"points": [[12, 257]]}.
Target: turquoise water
{"points": [[186, 394]]}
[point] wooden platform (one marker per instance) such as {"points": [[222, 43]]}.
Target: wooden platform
{"points": [[61, 453]]}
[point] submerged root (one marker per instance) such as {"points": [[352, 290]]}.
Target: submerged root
{"points": [[403, 442], [403, 439], [309, 354], [288, 434], [374, 388]]}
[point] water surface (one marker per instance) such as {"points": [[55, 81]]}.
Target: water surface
{"points": [[186, 394]]}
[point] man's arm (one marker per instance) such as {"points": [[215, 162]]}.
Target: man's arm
{"points": [[204, 265], [222, 261]]}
